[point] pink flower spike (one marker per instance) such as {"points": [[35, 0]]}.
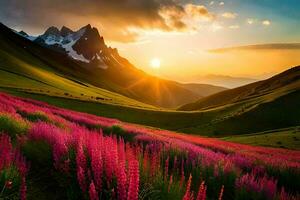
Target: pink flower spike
{"points": [[187, 195], [166, 168], [202, 191], [170, 183], [133, 188], [81, 179], [23, 189], [221, 193], [121, 173], [92, 192]]}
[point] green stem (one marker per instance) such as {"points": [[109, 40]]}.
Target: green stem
{"points": [[2, 189]]}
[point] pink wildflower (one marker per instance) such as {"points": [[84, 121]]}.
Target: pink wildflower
{"points": [[187, 195], [133, 187], [166, 168], [97, 168], [81, 179], [23, 189], [121, 173], [221, 193], [92, 192], [202, 192]]}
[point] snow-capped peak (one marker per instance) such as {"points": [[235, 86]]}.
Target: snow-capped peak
{"points": [[65, 39], [25, 35], [85, 45], [64, 31]]}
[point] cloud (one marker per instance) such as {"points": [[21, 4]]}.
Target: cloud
{"points": [[229, 15], [198, 11], [234, 27], [183, 18], [221, 3], [173, 16], [275, 46], [250, 21], [211, 3], [216, 27], [266, 23], [115, 18]]}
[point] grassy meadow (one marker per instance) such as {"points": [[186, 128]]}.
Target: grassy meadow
{"points": [[217, 122], [52, 153]]}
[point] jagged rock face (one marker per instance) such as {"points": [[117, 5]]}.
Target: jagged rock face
{"points": [[90, 44], [65, 31], [23, 33], [85, 45], [52, 31]]}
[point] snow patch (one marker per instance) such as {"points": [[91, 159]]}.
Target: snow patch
{"points": [[67, 43], [98, 57], [29, 37], [104, 66], [73, 54], [52, 39]]}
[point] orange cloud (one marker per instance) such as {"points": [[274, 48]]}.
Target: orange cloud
{"points": [[115, 18], [198, 11]]}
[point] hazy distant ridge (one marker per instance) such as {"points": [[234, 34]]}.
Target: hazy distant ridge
{"points": [[273, 46]]}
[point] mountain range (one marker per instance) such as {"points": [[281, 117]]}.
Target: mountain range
{"points": [[225, 81], [102, 66]]}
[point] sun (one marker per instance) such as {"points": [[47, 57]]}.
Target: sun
{"points": [[155, 63]]}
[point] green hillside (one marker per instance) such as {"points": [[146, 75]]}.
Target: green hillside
{"points": [[282, 83], [281, 138], [219, 122], [20, 69]]}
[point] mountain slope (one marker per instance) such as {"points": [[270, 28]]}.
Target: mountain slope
{"points": [[278, 85], [279, 138], [27, 66], [203, 89], [226, 81], [102, 66]]}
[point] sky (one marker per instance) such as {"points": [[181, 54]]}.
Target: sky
{"points": [[182, 35]]}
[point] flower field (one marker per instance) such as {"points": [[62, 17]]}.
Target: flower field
{"points": [[92, 157]]}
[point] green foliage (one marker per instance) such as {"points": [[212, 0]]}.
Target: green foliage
{"points": [[35, 116], [118, 131], [9, 174], [58, 185], [38, 152], [147, 191], [12, 126], [167, 190], [243, 194], [286, 177], [279, 138]]}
